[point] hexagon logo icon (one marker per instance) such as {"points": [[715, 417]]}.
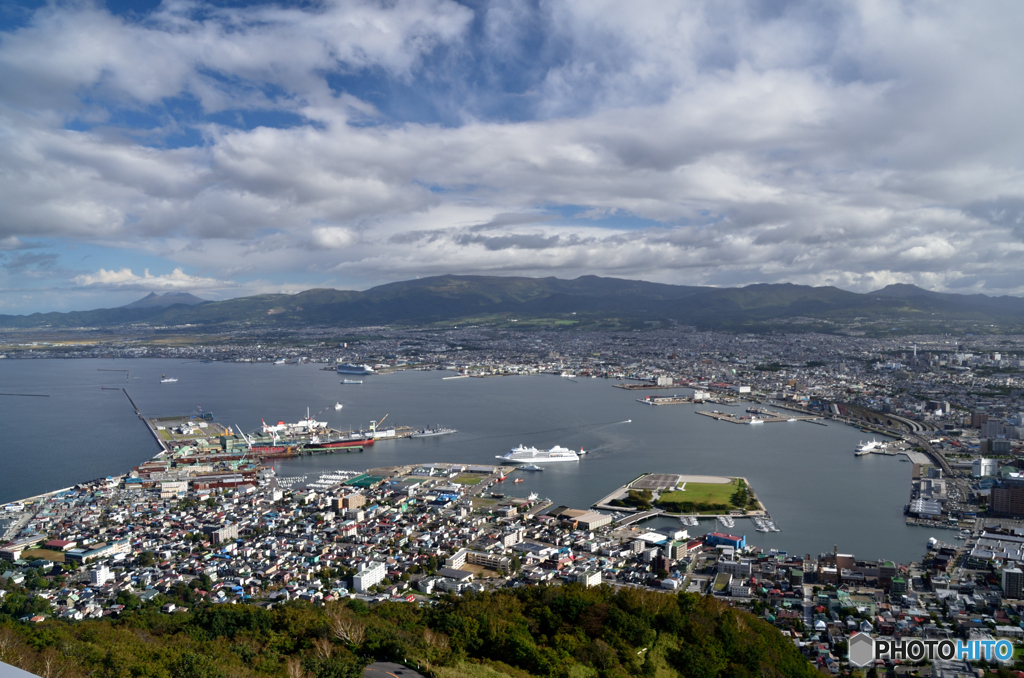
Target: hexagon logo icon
{"points": [[862, 649]]}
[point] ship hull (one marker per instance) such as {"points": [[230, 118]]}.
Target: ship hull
{"points": [[537, 460], [329, 445]]}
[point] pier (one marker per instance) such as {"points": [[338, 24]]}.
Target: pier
{"points": [[668, 400], [763, 417]]}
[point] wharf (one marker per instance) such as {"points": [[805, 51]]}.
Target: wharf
{"points": [[648, 387], [667, 400], [932, 523], [763, 417]]}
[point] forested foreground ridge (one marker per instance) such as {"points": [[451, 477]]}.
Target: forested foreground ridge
{"points": [[567, 631]]}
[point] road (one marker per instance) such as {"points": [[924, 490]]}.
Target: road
{"points": [[390, 670]]}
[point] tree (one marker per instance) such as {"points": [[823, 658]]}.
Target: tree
{"points": [[345, 625], [194, 665]]}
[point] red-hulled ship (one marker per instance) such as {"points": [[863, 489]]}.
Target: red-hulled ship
{"points": [[316, 444]]}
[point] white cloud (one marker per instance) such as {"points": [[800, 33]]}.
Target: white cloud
{"points": [[707, 143], [124, 278]]}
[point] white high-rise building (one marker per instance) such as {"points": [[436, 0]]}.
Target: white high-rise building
{"points": [[982, 468], [100, 576], [370, 574]]}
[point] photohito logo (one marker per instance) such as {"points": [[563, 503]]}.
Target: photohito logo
{"points": [[864, 649]]}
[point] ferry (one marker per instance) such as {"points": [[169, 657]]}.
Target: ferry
{"points": [[870, 446], [523, 455], [351, 381], [531, 467]]}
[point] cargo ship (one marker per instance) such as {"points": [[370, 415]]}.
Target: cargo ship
{"points": [[531, 455]]}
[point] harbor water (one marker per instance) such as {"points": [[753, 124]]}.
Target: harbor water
{"points": [[806, 474]]}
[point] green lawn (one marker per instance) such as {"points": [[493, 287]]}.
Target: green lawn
{"points": [[468, 480], [702, 493]]}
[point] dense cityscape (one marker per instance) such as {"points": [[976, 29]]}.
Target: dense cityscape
{"points": [[192, 527]]}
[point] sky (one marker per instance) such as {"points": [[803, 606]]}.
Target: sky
{"points": [[232, 148]]}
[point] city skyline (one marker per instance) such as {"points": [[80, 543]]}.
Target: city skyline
{"points": [[244, 148]]}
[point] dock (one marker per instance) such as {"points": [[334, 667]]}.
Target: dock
{"points": [[668, 400], [763, 417]]}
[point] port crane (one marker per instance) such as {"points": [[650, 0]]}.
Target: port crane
{"points": [[374, 423]]}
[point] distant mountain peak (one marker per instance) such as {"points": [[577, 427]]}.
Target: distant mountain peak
{"points": [[903, 290], [163, 300]]}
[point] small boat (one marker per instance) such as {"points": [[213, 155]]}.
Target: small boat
{"points": [[338, 406], [167, 380], [518, 480], [531, 467], [497, 495], [351, 381]]}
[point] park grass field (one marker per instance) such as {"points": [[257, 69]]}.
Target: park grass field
{"points": [[44, 554], [703, 493]]}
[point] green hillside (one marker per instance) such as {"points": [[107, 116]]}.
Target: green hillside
{"points": [[563, 631]]}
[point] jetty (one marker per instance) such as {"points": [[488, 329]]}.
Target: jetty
{"points": [[762, 417]]}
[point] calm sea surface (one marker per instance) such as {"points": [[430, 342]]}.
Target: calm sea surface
{"points": [[807, 476]]}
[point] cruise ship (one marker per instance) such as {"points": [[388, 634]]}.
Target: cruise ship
{"points": [[531, 455], [352, 368]]}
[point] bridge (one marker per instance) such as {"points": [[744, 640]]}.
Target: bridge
{"points": [[637, 517]]}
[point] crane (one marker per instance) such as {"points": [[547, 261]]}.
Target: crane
{"points": [[374, 424]]}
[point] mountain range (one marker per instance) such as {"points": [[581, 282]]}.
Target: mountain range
{"points": [[588, 301]]}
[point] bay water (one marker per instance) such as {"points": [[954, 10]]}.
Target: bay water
{"points": [[814, 487]]}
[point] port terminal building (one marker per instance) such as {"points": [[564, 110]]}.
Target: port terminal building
{"points": [[722, 539]]}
